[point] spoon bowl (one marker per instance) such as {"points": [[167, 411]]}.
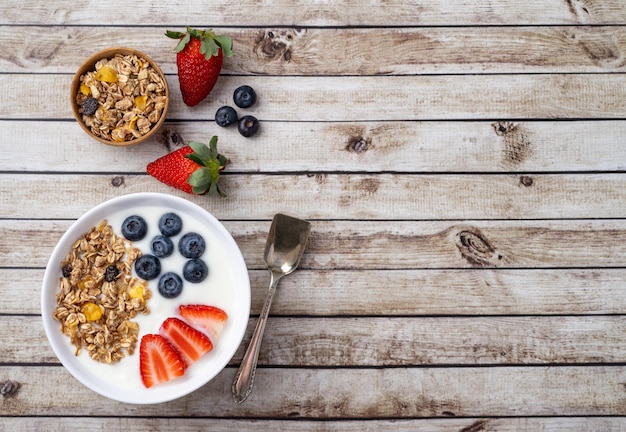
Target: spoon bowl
{"points": [[285, 244], [284, 247]]}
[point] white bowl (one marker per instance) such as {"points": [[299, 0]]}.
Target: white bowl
{"points": [[122, 381]]}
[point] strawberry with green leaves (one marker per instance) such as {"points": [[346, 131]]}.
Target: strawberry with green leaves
{"points": [[199, 57], [194, 168]]}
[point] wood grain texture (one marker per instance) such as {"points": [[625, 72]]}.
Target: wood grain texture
{"points": [[426, 292], [399, 147], [344, 51], [339, 12], [349, 393], [438, 97], [393, 342], [463, 164], [523, 424], [359, 245], [350, 196]]}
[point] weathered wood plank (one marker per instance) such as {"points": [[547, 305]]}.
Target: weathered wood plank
{"points": [[443, 341], [530, 146], [342, 12], [349, 196], [349, 245], [466, 292], [527, 424], [348, 393], [430, 97], [393, 342], [347, 51]]}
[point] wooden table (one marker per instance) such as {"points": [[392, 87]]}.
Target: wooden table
{"points": [[463, 165]]}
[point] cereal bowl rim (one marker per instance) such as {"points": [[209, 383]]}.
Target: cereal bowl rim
{"points": [[89, 65], [180, 387]]}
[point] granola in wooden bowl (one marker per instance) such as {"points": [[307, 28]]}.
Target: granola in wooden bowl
{"points": [[119, 96]]}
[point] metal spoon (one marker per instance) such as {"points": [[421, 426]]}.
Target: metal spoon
{"points": [[284, 247]]}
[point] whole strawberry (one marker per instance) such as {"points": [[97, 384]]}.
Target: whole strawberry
{"points": [[194, 169], [200, 54]]}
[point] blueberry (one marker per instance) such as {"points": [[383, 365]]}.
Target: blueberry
{"points": [[195, 270], [170, 285], [191, 245], [244, 96], [134, 228], [226, 116], [170, 224], [147, 267], [89, 106], [162, 246], [248, 126]]}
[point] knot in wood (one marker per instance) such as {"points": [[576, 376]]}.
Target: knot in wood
{"points": [[8, 388], [117, 181], [476, 250], [274, 44], [603, 53], [357, 144], [170, 139], [477, 426], [517, 145], [526, 181], [503, 127]]}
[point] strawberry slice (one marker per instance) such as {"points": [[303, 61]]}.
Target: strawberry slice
{"points": [[210, 319], [158, 361], [189, 342]]}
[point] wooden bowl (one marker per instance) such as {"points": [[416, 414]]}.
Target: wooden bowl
{"points": [[89, 65]]}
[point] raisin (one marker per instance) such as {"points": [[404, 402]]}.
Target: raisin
{"points": [[111, 273], [67, 270]]}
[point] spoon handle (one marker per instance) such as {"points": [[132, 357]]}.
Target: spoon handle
{"points": [[244, 379]]}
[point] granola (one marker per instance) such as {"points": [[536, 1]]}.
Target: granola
{"points": [[99, 297], [131, 97]]}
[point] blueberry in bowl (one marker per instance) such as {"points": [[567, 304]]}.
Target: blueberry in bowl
{"points": [[195, 270], [134, 228], [191, 245], [148, 267], [162, 246], [170, 224], [170, 285]]}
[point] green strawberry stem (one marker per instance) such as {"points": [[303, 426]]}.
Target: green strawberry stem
{"points": [[210, 43], [211, 164]]}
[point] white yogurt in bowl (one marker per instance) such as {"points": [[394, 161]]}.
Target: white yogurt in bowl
{"points": [[227, 286]]}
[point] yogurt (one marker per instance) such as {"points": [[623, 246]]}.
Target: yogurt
{"points": [[216, 290]]}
